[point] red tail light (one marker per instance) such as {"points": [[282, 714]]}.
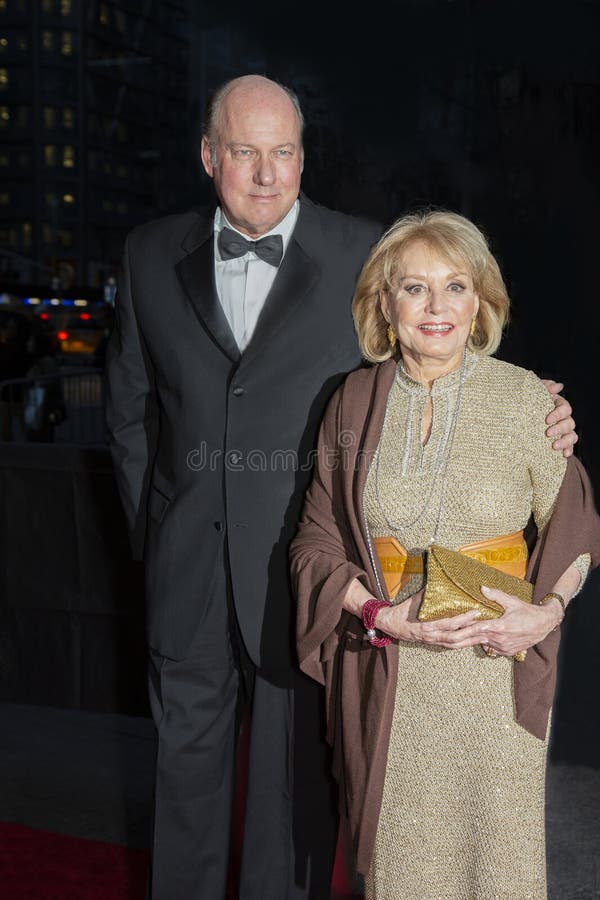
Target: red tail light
{"points": [[62, 335], [85, 316]]}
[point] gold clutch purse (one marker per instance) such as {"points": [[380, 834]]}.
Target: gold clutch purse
{"points": [[453, 587]]}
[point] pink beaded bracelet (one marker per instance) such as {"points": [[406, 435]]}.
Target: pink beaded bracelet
{"points": [[369, 614]]}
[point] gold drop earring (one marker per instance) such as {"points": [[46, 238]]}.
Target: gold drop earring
{"points": [[473, 326], [391, 336]]}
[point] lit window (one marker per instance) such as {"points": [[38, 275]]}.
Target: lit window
{"points": [[68, 117], [68, 156], [3, 79], [104, 14], [68, 199], [49, 117], [47, 234], [4, 159], [48, 40], [4, 116], [65, 236], [65, 7], [50, 156], [3, 5], [23, 43], [4, 198], [48, 6], [3, 44], [27, 234], [66, 47]]}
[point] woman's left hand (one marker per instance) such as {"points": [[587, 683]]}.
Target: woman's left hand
{"points": [[520, 627]]}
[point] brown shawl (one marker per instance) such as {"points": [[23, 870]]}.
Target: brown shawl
{"points": [[331, 549]]}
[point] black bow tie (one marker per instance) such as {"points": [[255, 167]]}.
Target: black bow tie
{"points": [[232, 245]]}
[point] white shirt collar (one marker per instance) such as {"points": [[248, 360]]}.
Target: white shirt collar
{"points": [[284, 228]]}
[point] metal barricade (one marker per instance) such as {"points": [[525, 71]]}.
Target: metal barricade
{"points": [[63, 407]]}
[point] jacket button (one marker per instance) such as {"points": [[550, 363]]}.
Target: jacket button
{"points": [[218, 526], [238, 391]]}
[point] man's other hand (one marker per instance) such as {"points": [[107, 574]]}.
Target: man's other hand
{"points": [[560, 421]]}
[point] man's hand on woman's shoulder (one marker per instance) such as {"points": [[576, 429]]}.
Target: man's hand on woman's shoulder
{"points": [[561, 424]]}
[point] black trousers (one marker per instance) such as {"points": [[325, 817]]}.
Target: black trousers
{"points": [[290, 826]]}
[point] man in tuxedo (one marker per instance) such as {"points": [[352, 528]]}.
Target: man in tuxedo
{"points": [[233, 330]]}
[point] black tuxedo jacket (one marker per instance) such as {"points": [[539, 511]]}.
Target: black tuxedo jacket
{"points": [[213, 448]]}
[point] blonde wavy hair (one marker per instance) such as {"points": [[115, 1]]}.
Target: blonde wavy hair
{"points": [[456, 240]]}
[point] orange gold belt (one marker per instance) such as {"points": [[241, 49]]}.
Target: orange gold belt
{"points": [[508, 553]]}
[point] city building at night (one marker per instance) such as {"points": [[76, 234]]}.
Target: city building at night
{"points": [[94, 134]]}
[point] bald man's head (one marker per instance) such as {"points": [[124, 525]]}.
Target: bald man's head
{"points": [[253, 151], [247, 85]]}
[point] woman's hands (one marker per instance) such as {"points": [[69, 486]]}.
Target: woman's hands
{"points": [[521, 626], [400, 621]]}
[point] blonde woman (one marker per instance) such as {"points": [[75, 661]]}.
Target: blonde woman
{"points": [[440, 736]]}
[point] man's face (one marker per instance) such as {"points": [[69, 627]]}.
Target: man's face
{"points": [[258, 158]]}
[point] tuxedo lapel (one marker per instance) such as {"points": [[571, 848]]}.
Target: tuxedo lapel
{"points": [[296, 276], [196, 272]]}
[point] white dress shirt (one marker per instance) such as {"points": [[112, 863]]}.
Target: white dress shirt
{"points": [[243, 283]]}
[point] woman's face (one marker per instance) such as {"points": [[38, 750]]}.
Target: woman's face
{"points": [[431, 307]]}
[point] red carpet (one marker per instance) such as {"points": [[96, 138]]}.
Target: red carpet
{"points": [[42, 865]]}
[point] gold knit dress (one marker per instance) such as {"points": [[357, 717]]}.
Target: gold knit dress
{"points": [[462, 816]]}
